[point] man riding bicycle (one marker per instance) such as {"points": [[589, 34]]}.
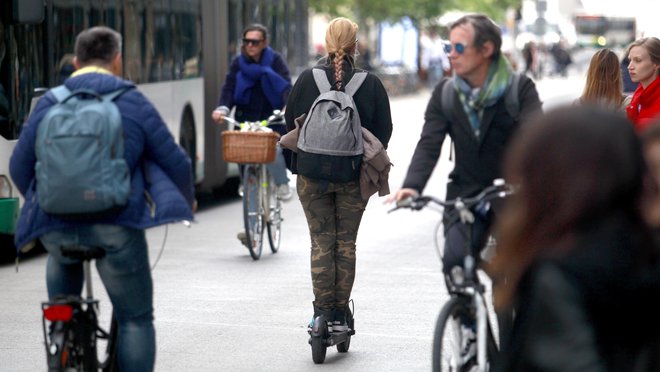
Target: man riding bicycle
{"points": [[478, 123], [157, 166]]}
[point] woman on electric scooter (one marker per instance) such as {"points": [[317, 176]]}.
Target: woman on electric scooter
{"points": [[334, 209]]}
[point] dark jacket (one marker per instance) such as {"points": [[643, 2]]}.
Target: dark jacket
{"points": [[371, 100], [595, 309], [478, 161], [158, 165], [259, 107]]}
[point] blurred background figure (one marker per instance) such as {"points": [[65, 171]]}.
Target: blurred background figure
{"points": [[644, 69], [530, 55], [628, 85], [65, 68], [582, 272], [561, 57], [364, 59], [434, 62], [604, 83]]}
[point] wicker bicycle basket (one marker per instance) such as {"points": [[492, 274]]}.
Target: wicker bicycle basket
{"points": [[249, 147]]}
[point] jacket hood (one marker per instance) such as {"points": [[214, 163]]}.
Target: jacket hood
{"points": [[99, 82]]}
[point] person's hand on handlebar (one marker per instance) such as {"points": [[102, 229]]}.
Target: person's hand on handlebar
{"points": [[218, 115], [401, 194]]}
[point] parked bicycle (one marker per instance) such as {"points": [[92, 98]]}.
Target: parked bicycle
{"points": [[463, 339], [71, 326], [254, 145]]}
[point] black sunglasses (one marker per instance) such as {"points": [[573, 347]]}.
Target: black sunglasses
{"points": [[252, 41], [458, 47]]}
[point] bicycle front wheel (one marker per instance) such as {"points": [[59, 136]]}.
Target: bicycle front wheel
{"points": [[253, 210], [450, 349], [274, 216]]}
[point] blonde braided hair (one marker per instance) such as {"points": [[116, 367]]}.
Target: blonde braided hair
{"points": [[340, 41]]}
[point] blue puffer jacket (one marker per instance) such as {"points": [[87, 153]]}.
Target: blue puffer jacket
{"points": [[158, 165]]}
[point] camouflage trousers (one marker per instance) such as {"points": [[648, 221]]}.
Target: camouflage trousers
{"points": [[333, 212]]}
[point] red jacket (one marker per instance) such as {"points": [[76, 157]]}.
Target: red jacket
{"points": [[644, 107]]}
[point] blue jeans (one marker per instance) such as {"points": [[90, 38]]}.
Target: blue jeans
{"points": [[278, 168], [126, 275]]}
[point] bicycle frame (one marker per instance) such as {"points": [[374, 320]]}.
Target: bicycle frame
{"points": [[260, 211]]}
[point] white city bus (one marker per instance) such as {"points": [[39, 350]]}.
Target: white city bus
{"points": [[177, 51]]}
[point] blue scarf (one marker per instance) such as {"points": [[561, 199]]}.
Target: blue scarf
{"points": [[271, 82]]}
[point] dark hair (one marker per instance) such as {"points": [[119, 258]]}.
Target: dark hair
{"points": [[257, 27], [574, 165], [485, 30], [97, 45]]}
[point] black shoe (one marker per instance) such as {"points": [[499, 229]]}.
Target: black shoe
{"points": [[329, 316], [339, 323]]}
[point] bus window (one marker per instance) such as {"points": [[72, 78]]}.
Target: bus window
{"points": [[4, 98]]}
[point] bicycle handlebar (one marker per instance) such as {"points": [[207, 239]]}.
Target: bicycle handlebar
{"points": [[277, 118], [499, 189]]}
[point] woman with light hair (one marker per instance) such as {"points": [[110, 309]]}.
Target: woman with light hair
{"points": [[604, 84], [334, 209]]}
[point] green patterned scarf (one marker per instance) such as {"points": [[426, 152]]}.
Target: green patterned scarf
{"points": [[499, 78]]}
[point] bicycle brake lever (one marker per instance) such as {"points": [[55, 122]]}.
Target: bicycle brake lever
{"points": [[403, 203]]}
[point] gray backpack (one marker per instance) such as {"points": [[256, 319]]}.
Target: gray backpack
{"points": [[330, 143], [80, 169]]}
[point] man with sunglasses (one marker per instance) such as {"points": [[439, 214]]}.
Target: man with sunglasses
{"points": [[257, 83], [479, 125]]}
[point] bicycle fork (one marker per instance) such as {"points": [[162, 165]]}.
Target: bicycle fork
{"points": [[482, 329], [264, 194]]}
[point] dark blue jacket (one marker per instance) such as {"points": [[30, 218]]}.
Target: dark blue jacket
{"points": [[158, 165], [259, 107]]}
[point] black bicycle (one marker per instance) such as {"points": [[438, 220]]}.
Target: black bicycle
{"points": [[73, 338], [464, 339]]}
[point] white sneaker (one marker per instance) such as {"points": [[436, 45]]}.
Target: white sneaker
{"points": [[284, 191]]}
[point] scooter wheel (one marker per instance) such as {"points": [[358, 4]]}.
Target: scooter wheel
{"points": [[319, 335]]}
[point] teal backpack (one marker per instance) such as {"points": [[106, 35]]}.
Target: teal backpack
{"points": [[81, 171]]}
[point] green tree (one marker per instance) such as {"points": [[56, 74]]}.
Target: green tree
{"points": [[421, 12]]}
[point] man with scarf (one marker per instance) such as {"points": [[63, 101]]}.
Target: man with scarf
{"points": [[479, 125], [257, 83]]}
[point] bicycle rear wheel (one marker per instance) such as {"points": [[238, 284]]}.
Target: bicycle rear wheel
{"points": [[253, 211], [108, 348], [274, 216], [58, 346], [448, 341]]}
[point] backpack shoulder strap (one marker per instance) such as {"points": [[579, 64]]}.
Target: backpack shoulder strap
{"points": [[60, 92], [321, 80], [447, 99], [447, 103], [355, 83], [512, 101]]}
